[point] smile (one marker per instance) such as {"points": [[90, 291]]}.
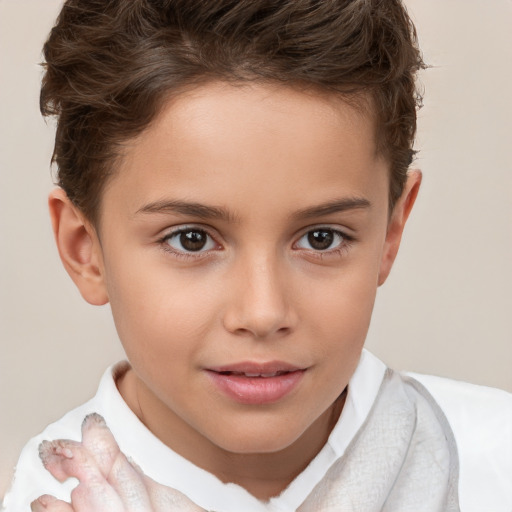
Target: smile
{"points": [[256, 384]]}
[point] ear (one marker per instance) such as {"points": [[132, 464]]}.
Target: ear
{"points": [[397, 222], [79, 248]]}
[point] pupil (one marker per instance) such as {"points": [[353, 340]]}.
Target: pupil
{"points": [[320, 239], [193, 240]]}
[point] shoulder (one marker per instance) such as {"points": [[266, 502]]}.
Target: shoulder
{"points": [[31, 480], [472, 410], [481, 420]]}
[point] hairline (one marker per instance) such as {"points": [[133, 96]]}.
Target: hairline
{"points": [[357, 97]]}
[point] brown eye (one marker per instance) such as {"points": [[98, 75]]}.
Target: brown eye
{"points": [[190, 240], [321, 239]]}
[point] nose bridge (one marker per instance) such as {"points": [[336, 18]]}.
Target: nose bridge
{"points": [[264, 282], [260, 304]]}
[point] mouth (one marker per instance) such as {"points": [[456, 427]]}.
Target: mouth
{"points": [[256, 374], [254, 383], [255, 369]]}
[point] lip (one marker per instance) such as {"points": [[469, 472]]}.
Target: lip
{"points": [[254, 383]]}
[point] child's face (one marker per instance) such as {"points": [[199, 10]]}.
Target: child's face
{"points": [[246, 231]]}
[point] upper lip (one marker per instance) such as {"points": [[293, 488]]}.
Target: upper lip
{"points": [[256, 368]]}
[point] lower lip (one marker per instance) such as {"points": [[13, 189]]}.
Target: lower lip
{"points": [[256, 390]]}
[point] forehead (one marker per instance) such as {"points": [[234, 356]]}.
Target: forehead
{"points": [[273, 144]]}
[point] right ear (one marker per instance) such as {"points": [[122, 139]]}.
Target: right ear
{"points": [[79, 248]]}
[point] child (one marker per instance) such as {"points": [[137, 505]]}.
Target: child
{"points": [[233, 180]]}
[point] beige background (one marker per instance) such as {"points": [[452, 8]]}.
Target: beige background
{"points": [[446, 310]]}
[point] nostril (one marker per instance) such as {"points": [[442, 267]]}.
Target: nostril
{"points": [[260, 312]]}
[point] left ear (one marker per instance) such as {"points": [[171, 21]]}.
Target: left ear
{"points": [[397, 222]]}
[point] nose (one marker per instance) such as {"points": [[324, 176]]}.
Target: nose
{"points": [[259, 300]]}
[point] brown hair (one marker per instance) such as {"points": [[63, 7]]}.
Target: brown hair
{"points": [[111, 63]]}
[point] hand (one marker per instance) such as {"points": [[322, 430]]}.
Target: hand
{"points": [[108, 481]]}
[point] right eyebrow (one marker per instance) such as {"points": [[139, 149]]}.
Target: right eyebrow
{"points": [[191, 209]]}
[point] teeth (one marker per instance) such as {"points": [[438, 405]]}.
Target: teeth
{"points": [[254, 375], [273, 374]]}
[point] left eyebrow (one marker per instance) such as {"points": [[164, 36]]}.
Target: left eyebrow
{"points": [[335, 206]]}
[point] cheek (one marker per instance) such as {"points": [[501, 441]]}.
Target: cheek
{"points": [[345, 298], [159, 311], [340, 311], [343, 322]]}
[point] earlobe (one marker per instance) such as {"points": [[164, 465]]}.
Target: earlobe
{"points": [[79, 248], [397, 222]]}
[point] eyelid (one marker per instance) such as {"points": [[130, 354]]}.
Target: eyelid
{"points": [[176, 230], [347, 239], [346, 233], [180, 228]]}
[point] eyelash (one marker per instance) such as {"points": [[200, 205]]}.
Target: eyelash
{"points": [[343, 246], [195, 255], [345, 243]]}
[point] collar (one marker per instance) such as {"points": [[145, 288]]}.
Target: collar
{"points": [[164, 465]]}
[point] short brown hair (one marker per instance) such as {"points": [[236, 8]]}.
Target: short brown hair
{"points": [[111, 63]]}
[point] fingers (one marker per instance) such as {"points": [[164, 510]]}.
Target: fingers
{"points": [[64, 459], [129, 485], [137, 492], [54, 455], [97, 452], [49, 503], [104, 473], [107, 479], [99, 442], [165, 499], [118, 471]]}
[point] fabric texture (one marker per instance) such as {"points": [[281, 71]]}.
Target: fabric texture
{"points": [[480, 418], [414, 462]]}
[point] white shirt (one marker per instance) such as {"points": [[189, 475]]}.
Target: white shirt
{"points": [[480, 417]]}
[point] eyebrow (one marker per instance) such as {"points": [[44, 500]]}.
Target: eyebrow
{"points": [[215, 212], [188, 208], [335, 206]]}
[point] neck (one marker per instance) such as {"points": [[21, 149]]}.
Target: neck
{"points": [[267, 475], [264, 475]]}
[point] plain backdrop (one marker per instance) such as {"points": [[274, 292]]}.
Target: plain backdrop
{"points": [[446, 309]]}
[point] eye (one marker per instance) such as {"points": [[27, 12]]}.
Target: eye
{"points": [[321, 239], [190, 240]]}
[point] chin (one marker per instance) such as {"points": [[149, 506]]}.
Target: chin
{"points": [[254, 446], [251, 440]]}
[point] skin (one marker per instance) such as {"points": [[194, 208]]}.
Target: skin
{"points": [[107, 479], [270, 158]]}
